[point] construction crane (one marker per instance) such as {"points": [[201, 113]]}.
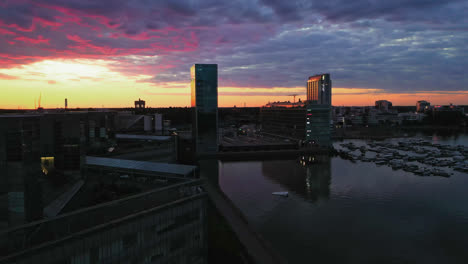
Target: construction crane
{"points": [[294, 97]]}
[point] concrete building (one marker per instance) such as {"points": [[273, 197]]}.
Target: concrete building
{"points": [[319, 89], [383, 105], [422, 106], [204, 101]]}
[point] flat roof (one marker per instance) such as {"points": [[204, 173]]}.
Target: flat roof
{"points": [[156, 167], [20, 115], [142, 137]]}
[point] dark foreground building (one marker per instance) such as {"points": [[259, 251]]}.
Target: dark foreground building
{"points": [[44, 150], [20, 199], [165, 224]]}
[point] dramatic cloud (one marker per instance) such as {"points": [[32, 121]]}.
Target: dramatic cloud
{"points": [[398, 46]]}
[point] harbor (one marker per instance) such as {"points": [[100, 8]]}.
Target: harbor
{"points": [[414, 155]]}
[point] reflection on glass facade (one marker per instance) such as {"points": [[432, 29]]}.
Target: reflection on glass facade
{"points": [[204, 85], [319, 89]]}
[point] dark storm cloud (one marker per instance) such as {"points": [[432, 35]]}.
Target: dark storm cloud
{"points": [[397, 45]]}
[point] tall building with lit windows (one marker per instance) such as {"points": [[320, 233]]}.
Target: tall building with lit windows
{"points": [[319, 89], [318, 130], [204, 85], [318, 116]]}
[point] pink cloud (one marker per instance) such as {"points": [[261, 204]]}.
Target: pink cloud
{"points": [[6, 32], [45, 22], [18, 27], [86, 45], [7, 77], [40, 39]]}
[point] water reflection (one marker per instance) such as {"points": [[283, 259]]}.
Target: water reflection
{"points": [[309, 176]]}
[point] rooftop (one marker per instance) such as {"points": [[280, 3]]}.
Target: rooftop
{"points": [[142, 137], [174, 169]]}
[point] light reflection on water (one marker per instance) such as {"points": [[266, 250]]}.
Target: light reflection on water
{"points": [[339, 211]]}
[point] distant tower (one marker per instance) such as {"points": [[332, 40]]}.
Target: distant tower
{"points": [[66, 103], [319, 89], [204, 85], [422, 106], [140, 104], [383, 105]]}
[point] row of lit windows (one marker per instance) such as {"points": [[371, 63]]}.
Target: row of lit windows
{"points": [[312, 91]]}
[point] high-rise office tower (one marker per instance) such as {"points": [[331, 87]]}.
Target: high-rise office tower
{"points": [[204, 84], [319, 89], [318, 107], [318, 131]]}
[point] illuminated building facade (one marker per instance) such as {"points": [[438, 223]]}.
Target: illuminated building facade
{"points": [[204, 101], [319, 89]]}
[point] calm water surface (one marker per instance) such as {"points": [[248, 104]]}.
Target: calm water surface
{"points": [[344, 212]]}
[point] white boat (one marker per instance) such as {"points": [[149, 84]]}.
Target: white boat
{"points": [[284, 194]]}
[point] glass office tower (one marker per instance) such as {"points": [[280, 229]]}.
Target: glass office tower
{"points": [[318, 131], [204, 85]]}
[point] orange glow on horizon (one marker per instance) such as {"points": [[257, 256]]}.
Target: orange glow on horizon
{"points": [[93, 83]]}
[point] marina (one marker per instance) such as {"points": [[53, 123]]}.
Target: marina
{"points": [[415, 155]]}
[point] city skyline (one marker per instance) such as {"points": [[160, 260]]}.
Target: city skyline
{"points": [[110, 54]]}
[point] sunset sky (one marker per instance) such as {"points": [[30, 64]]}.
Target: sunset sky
{"points": [[108, 53]]}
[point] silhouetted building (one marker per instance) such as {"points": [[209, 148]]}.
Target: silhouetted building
{"points": [[285, 104], [47, 146], [422, 106], [140, 104], [383, 105], [204, 101], [319, 89]]}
